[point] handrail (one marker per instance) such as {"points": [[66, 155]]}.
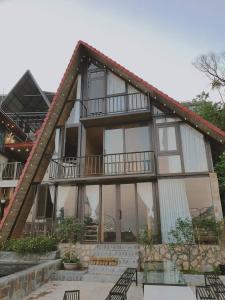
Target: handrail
{"points": [[10, 170], [112, 96], [117, 103], [103, 165]]}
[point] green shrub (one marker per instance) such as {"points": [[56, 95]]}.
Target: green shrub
{"points": [[38, 245], [70, 230]]}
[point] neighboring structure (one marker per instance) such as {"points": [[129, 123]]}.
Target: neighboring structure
{"points": [[120, 155]]}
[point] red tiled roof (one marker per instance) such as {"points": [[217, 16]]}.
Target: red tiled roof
{"points": [[184, 112]]}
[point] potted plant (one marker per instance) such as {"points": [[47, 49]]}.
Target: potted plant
{"points": [[71, 261], [70, 231]]}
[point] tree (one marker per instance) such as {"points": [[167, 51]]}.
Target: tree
{"points": [[182, 240], [213, 112], [213, 66]]}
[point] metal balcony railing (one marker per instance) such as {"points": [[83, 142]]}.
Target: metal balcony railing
{"points": [[121, 103], [28, 122], [103, 165], [11, 170]]}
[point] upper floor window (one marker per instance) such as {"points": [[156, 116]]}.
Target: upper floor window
{"points": [[108, 93], [169, 158], [167, 138]]}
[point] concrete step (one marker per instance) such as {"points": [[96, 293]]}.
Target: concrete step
{"points": [[117, 246], [101, 278], [114, 270], [118, 253]]}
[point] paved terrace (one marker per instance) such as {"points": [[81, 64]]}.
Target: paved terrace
{"points": [[54, 290]]}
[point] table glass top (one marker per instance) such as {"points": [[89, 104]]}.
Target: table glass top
{"points": [[162, 273]]}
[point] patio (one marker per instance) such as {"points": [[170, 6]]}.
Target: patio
{"points": [[54, 290]]}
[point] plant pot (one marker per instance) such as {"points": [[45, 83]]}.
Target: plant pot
{"points": [[71, 266]]}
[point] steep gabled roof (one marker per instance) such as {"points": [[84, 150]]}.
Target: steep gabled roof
{"points": [[26, 96], [185, 113]]}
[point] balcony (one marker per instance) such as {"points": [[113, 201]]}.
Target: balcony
{"points": [[10, 173], [116, 106], [105, 165]]}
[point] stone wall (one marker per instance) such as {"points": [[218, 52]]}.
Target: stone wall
{"points": [[28, 257], [17, 286], [203, 258]]}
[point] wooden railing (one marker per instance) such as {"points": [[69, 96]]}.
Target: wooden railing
{"points": [[103, 165], [10, 170], [120, 103]]}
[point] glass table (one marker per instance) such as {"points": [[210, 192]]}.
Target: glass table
{"points": [[162, 273]]}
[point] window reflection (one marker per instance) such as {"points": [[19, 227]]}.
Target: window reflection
{"points": [[128, 213], [169, 164], [66, 202], [91, 204], [167, 138], [109, 217], [146, 211]]}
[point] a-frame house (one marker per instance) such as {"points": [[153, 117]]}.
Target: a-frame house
{"points": [[168, 157]]}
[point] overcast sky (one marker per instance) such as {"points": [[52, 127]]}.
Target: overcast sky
{"points": [[156, 39]]}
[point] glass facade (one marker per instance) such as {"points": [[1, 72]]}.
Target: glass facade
{"points": [[91, 204], [66, 202], [167, 138]]}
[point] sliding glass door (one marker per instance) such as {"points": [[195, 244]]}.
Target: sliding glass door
{"points": [[127, 150], [110, 214], [127, 209], [113, 148]]}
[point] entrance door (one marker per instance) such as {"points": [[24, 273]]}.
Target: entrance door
{"points": [[119, 213]]}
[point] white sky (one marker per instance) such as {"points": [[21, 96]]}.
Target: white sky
{"points": [[156, 41]]}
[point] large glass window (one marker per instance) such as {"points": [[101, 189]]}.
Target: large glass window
{"points": [[146, 209], [169, 164], [96, 92], [173, 204], [114, 164], [184, 198], [167, 138], [199, 196], [128, 146], [91, 204], [137, 139], [193, 143], [66, 202], [128, 213], [109, 214]]}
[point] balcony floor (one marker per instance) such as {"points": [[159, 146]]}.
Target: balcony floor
{"points": [[111, 119], [125, 178]]}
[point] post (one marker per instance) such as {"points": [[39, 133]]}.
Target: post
{"points": [[15, 170]]}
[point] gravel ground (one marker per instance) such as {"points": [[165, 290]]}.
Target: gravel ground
{"points": [[54, 290]]}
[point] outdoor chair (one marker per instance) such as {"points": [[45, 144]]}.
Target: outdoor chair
{"points": [[72, 295], [204, 293]]}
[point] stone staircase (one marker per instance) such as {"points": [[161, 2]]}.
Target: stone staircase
{"points": [[127, 255]]}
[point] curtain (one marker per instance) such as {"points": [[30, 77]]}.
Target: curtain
{"points": [[173, 204], [136, 100], [194, 150], [115, 85], [52, 192]]}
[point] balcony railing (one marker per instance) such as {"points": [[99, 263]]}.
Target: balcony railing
{"points": [[103, 165], [28, 122], [11, 170], [115, 104]]}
